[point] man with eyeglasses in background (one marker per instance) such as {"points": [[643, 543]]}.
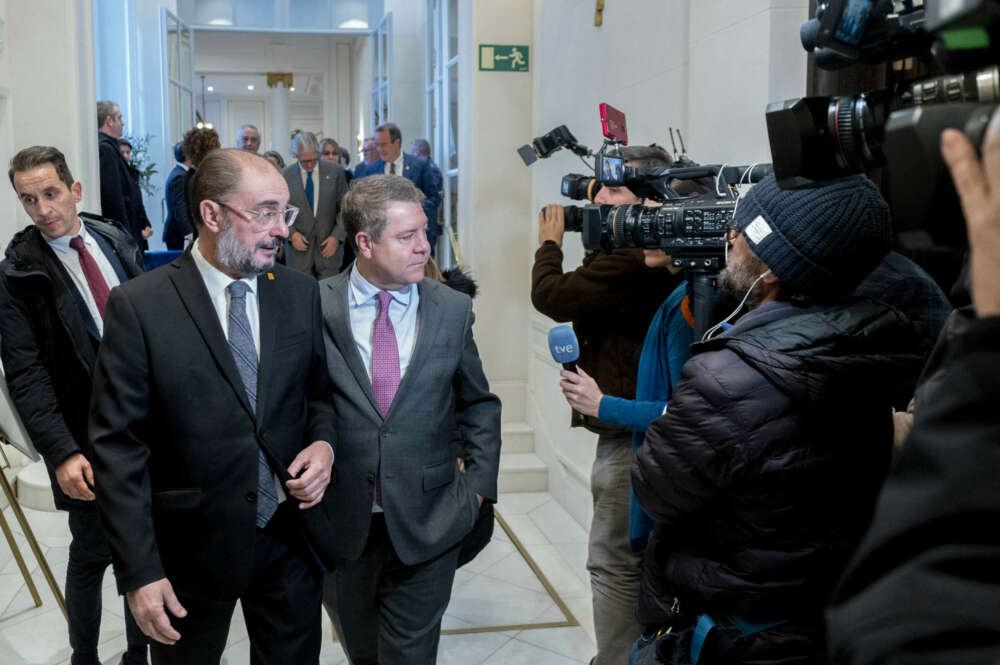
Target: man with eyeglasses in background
{"points": [[211, 431], [315, 186]]}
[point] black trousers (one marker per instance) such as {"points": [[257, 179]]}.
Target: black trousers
{"points": [[281, 606], [390, 613], [89, 558]]}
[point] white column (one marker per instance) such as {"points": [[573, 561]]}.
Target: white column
{"points": [[278, 129]]}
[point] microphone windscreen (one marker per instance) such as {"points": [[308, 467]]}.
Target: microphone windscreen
{"points": [[563, 344]]}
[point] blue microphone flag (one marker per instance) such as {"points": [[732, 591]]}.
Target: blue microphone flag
{"points": [[563, 344]]}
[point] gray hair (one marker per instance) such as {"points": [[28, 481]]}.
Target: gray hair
{"points": [[304, 142], [423, 148], [105, 110], [363, 208]]}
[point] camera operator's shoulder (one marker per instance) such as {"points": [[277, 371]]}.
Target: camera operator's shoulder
{"points": [[721, 373]]}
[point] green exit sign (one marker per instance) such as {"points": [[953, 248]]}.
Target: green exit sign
{"points": [[503, 58]]}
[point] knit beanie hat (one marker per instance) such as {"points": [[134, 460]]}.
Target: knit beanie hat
{"points": [[820, 241]]}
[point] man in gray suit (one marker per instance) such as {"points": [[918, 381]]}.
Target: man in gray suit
{"points": [[315, 188], [414, 398]]}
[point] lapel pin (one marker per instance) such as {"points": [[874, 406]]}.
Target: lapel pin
{"points": [[270, 276]]}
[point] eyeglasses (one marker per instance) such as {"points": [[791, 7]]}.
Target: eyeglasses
{"points": [[264, 218]]}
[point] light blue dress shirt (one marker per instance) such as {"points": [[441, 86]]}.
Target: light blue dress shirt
{"points": [[363, 308]]}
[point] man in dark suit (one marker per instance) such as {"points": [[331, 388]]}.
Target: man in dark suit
{"points": [[419, 170], [210, 429], [178, 224], [415, 387], [121, 198], [54, 287], [315, 187]]}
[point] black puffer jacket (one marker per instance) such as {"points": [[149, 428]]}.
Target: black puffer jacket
{"points": [[763, 472], [48, 351]]}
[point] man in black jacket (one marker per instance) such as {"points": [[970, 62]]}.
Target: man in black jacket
{"points": [[762, 474], [121, 199], [923, 587], [611, 300], [178, 224], [54, 284]]}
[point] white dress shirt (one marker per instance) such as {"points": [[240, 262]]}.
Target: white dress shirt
{"points": [[398, 163], [71, 261], [363, 309], [316, 180]]}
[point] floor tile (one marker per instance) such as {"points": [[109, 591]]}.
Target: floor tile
{"points": [[525, 530], [520, 503], [557, 525], [497, 588], [471, 649], [489, 602], [513, 569], [572, 642], [556, 569], [517, 652]]}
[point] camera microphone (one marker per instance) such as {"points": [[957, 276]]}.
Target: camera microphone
{"points": [[564, 347]]}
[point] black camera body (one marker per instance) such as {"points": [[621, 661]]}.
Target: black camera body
{"points": [[821, 138], [692, 231]]}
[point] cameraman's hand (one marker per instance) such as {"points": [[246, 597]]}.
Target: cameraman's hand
{"points": [[581, 391], [551, 224], [978, 186]]}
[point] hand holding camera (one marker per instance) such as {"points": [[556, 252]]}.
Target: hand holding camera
{"points": [[978, 186], [551, 224]]}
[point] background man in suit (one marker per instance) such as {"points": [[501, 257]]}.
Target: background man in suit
{"points": [[178, 222], [316, 188], [209, 407], [419, 170], [121, 198], [53, 289], [415, 385], [248, 138]]}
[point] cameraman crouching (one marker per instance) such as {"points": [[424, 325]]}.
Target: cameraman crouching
{"points": [[762, 473], [610, 300]]}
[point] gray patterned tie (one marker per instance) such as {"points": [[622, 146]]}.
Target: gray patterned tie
{"points": [[245, 355]]}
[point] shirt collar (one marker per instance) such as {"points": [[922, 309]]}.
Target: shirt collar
{"points": [[362, 290], [62, 243], [215, 280]]}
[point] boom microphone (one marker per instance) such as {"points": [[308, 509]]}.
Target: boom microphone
{"points": [[564, 347]]}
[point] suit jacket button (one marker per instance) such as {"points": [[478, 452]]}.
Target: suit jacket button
{"points": [[251, 497], [371, 477]]}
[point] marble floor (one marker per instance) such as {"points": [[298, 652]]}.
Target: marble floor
{"points": [[496, 589]]}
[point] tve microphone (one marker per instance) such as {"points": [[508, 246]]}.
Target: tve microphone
{"points": [[564, 347]]}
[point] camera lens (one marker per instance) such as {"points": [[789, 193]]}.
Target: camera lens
{"points": [[573, 216], [579, 187]]}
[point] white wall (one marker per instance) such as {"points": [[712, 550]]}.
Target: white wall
{"points": [[406, 76], [708, 67], [47, 69]]}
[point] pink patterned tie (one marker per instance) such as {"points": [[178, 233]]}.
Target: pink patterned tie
{"points": [[385, 356], [385, 368]]}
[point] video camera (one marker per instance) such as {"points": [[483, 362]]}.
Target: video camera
{"points": [[820, 138]]}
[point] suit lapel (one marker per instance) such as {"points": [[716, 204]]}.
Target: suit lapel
{"points": [[191, 289], [339, 324], [270, 301], [428, 318]]}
